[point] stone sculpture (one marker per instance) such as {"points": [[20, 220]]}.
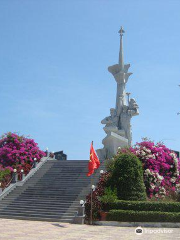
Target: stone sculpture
{"points": [[118, 124]]}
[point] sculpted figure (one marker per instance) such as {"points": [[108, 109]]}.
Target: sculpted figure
{"points": [[133, 107], [125, 119], [111, 122]]}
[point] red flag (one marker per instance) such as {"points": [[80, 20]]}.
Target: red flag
{"points": [[94, 162]]}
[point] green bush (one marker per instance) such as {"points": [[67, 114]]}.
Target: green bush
{"points": [[145, 206], [142, 216], [109, 164], [110, 196], [127, 177], [4, 173]]}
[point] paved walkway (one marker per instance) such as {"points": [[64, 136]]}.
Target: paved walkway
{"points": [[35, 230]]}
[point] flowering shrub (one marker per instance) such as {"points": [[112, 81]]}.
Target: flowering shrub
{"points": [[161, 168], [18, 150], [97, 193]]}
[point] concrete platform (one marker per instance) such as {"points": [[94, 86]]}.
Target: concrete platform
{"points": [[36, 230]]}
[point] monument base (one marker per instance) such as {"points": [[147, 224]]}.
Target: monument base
{"points": [[111, 144], [102, 154]]}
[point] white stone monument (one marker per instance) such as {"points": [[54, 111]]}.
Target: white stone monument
{"points": [[118, 124]]}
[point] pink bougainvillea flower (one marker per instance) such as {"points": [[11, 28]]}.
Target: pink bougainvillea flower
{"points": [[161, 168], [16, 149]]}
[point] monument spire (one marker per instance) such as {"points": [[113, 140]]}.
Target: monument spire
{"points": [[121, 56]]}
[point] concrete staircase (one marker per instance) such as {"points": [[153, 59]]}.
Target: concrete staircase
{"points": [[51, 194]]}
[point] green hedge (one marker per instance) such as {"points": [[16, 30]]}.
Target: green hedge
{"points": [[142, 216], [145, 206]]}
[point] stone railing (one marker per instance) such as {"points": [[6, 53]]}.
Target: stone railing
{"points": [[14, 182]]}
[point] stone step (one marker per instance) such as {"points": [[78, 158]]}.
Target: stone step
{"points": [[50, 199], [44, 196], [28, 212], [41, 207], [47, 193], [45, 219], [42, 204], [60, 182], [38, 215], [58, 214], [52, 193], [47, 200]]}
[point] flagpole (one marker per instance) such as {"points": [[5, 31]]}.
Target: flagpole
{"points": [[91, 201], [91, 218], [93, 165]]}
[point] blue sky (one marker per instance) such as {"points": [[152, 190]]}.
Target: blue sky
{"points": [[54, 83]]}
